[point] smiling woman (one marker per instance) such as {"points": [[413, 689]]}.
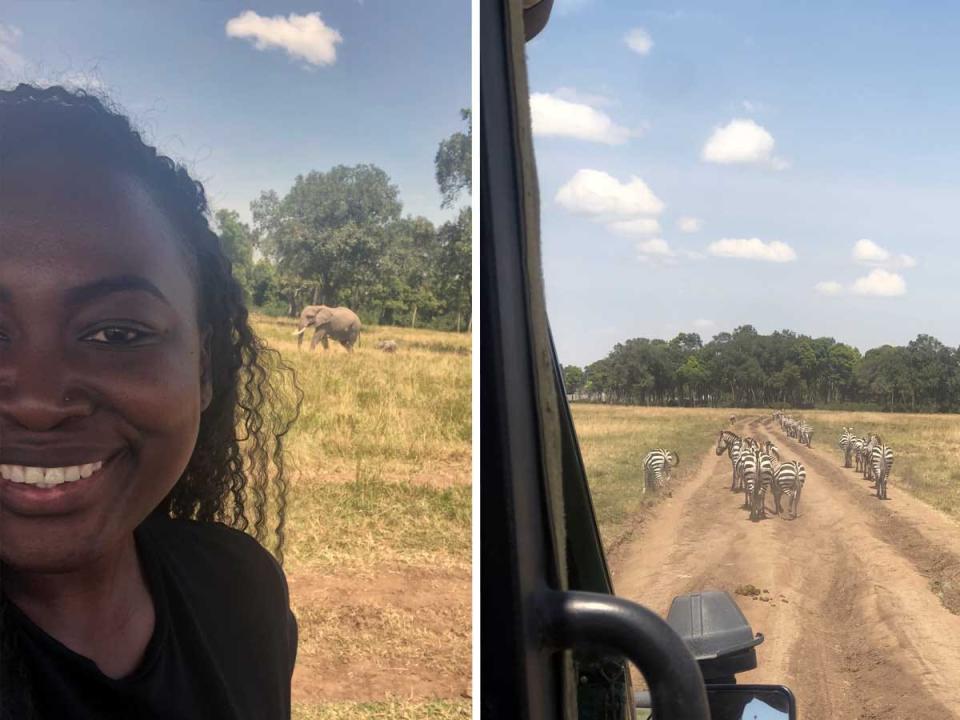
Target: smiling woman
{"points": [[141, 430]]}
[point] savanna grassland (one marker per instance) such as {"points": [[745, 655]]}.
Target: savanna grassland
{"points": [[926, 449], [614, 439], [378, 525]]}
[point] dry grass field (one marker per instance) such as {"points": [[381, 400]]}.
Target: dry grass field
{"points": [[378, 525], [926, 450]]}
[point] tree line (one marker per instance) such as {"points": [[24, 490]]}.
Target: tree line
{"points": [[340, 237], [783, 369]]}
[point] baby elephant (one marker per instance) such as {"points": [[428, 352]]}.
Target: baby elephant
{"points": [[389, 346]]}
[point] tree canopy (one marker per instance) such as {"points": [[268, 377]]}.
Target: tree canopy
{"points": [[747, 369], [339, 237]]}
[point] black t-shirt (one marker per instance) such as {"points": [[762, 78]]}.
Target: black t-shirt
{"points": [[223, 646]]}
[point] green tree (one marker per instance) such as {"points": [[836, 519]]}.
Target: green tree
{"points": [[454, 163], [237, 241], [573, 379], [455, 266], [329, 230]]}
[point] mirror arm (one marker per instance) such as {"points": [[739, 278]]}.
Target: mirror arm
{"points": [[582, 619]]}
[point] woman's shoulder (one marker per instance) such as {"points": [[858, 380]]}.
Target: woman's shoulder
{"points": [[215, 554]]}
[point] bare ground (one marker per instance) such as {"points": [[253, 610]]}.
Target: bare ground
{"points": [[396, 633], [859, 614]]}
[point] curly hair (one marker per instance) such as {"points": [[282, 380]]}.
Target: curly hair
{"points": [[236, 473]]}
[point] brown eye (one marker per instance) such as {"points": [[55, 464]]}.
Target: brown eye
{"points": [[117, 336]]}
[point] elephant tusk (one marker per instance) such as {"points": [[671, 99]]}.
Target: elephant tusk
{"points": [[299, 332]]}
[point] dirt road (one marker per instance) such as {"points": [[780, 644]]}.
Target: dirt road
{"points": [[857, 617]]}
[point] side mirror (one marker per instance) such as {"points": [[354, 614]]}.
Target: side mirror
{"points": [[751, 702], [736, 702]]}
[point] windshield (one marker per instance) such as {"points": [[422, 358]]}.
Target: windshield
{"points": [[746, 234]]}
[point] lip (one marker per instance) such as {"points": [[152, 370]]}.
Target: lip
{"points": [[55, 456], [65, 498]]}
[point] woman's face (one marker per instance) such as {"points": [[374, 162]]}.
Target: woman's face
{"points": [[101, 360]]}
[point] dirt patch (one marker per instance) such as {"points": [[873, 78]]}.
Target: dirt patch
{"points": [[402, 633]]}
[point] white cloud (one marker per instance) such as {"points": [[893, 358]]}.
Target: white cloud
{"points": [[742, 142], [576, 96], [867, 251], [655, 246], [657, 251], [551, 115], [880, 282], [752, 249], [703, 323], [303, 36], [828, 287], [636, 226], [593, 192], [689, 224], [639, 41], [10, 60], [694, 255]]}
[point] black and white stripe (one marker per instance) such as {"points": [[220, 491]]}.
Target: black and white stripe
{"points": [[656, 468], [881, 462]]}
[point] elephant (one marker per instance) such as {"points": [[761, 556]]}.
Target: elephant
{"points": [[339, 323], [388, 346]]}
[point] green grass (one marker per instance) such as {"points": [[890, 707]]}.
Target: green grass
{"points": [[926, 449], [370, 523], [614, 439], [390, 710]]}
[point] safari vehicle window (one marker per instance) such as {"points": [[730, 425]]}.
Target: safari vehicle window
{"points": [[746, 261]]}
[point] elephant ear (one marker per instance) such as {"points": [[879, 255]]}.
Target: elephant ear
{"points": [[322, 315]]}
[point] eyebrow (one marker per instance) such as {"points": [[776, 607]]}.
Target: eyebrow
{"points": [[100, 288], [108, 286]]}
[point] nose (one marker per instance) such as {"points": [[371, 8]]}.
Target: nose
{"points": [[37, 394]]}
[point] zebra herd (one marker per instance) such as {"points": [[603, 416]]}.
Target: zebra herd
{"points": [[799, 430], [756, 468], [873, 457], [656, 468]]}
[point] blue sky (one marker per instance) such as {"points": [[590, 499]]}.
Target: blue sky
{"points": [[246, 119], [810, 153]]}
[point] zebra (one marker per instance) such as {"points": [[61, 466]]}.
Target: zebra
{"points": [[805, 433], [730, 443], [656, 467], [733, 419], [857, 443], [881, 460], [788, 480], [866, 453], [757, 473], [846, 445], [749, 444], [772, 453]]}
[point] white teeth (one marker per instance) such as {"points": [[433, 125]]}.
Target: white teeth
{"points": [[48, 477], [53, 476]]}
